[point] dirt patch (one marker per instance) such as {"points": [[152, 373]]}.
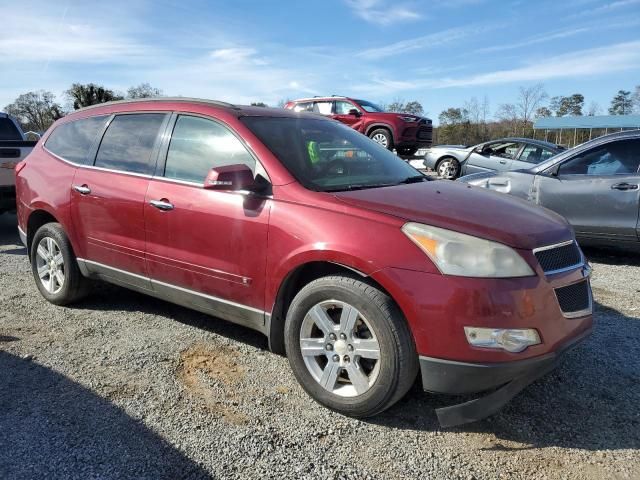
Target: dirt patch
{"points": [[207, 372]]}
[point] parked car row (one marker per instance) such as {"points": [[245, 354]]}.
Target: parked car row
{"points": [[14, 147], [363, 271]]}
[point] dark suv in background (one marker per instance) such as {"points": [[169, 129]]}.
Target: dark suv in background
{"points": [[403, 131]]}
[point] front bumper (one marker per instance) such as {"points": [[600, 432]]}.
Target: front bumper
{"points": [[450, 377]]}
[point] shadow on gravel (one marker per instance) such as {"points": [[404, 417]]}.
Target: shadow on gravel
{"points": [[590, 402], [51, 427], [103, 296], [612, 256], [9, 232]]}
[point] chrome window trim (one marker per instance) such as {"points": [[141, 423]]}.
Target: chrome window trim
{"points": [[578, 313], [558, 245]]}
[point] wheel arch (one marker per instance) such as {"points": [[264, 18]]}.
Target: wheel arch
{"points": [[386, 126], [36, 219], [293, 282]]}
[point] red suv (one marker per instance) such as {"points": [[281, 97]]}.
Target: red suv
{"points": [[355, 265], [402, 131]]}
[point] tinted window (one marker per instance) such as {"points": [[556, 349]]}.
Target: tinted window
{"points": [[198, 144], [535, 154], [128, 142], [329, 156], [73, 140], [615, 158], [8, 130]]}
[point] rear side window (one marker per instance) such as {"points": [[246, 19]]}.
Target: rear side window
{"points": [[8, 130], [198, 144], [620, 157], [73, 140], [128, 142]]}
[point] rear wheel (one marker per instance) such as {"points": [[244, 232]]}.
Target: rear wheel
{"points": [[382, 137], [448, 168], [349, 346], [54, 266]]}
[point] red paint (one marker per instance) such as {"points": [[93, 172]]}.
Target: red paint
{"points": [[241, 248]]}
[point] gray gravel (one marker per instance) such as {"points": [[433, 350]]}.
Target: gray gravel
{"points": [[125, 386]]}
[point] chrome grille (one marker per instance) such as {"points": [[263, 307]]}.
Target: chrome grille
{"points": [[557, 258], [575, 299]]}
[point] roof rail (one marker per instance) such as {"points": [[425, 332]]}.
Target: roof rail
{"points": [[216, 103]]}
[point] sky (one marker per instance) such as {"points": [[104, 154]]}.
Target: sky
{"points": [[439, 52]]}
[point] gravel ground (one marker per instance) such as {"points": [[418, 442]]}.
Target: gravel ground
{"points": [[125, 386]]}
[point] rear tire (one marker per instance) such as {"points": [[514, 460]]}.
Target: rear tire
{"points": [[55, 268], [370, 363], [383, 137]]}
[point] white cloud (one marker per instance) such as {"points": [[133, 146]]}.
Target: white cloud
{"points": [[383, 12], [606, 8]]}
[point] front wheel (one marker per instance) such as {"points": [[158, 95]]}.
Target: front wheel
{"points": [[382, 137], [349, 346], [448, 168]]}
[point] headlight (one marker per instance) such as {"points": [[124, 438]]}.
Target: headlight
{"points": [[409, 119], [466, 256], [511, 340]]}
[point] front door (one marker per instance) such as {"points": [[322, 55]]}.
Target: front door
{"points": [[108, 197], [597, 191], [494, 156], [342, 109], [205, 248]]}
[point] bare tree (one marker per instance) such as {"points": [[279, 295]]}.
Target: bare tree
{"points": [[529, 100], [594, 109], [35, 110], [508, 112], [144, 90], [282, 102]]}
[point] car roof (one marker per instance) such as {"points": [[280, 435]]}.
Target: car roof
{"points": [[532, 141], [236, 110], [328, 97]]}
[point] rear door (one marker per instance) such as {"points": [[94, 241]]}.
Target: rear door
{"points": [[107, 197], [204, 247], [597, 191]]}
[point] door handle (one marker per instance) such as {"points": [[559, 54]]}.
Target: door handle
{"points": [[503, 162], [624, 186], [164, 205], [82, 189]]}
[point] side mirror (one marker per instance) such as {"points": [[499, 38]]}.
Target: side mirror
{"points": [[355, 112], [230, 178], [480, 149], [553, 171]]}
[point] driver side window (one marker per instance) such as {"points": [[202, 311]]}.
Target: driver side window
{"points": [[615, 158], [198, 144], [343, 108]]}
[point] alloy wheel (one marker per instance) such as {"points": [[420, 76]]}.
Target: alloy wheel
{"points": [[448, 169], [339, 348], [50, 265], [381, 139]]}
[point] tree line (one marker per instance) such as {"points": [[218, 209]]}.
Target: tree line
{"points": [[36, 111]]}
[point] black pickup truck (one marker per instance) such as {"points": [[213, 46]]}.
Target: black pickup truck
{"points": [[13, 148]]}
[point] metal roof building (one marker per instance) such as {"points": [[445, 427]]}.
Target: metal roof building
{"points": [[596, 125]]}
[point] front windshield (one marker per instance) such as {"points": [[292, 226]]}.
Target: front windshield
{"points": [[327, 156], [369, 107]]}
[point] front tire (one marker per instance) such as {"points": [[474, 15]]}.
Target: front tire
{"points": [[54, 266], [349, 346], [382, 137], [448, 168]]}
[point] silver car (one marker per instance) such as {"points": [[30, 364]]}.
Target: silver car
{"points": [[595, 186], [452, 161]]}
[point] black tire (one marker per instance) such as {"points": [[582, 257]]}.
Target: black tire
{"points": [[398, 358], [452, 175], [383, 132], [75, 286], [407, 151]]}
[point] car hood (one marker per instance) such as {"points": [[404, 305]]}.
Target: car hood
{"points": [[466, 209]]}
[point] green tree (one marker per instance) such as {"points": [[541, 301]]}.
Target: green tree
{"points": [[622, 103], [144, 90], [636, 99], [90, 94], [35, 110], [571, 105], [543, 112], [414, 108]]}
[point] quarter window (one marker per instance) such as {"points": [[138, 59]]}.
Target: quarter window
{"points": [[73, 140], [198, 144], [128, 142], [615, 158], [535, 154]]}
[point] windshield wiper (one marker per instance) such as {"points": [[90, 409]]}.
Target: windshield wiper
{"points": [[364, 186], [414, 179]]}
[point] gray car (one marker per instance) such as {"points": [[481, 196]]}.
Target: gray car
{"points": [[452, 161], [595, 186]]}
